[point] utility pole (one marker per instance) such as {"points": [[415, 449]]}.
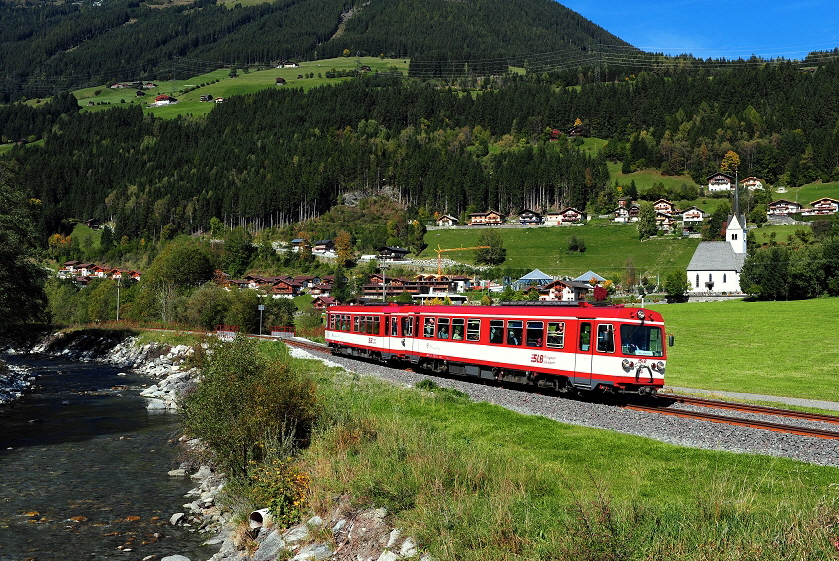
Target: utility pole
{"points": [[261, 308], [119, 282]]}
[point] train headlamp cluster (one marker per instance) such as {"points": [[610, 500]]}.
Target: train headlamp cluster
{"points": [[657, 366], [627, 364], [641, 315]]}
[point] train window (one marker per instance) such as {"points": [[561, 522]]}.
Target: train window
{"points": [[641, 340], [374, 325], [428, 328], [457, 329], [514, 329], [585, 336], [407, 327], [535, 333], [496, 331], [357, 324], [605, 338], [473, 330], [556, 334], [443, 328], [347, 320], [394, 327]]}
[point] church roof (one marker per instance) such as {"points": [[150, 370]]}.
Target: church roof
{"points": [[716, 256]]}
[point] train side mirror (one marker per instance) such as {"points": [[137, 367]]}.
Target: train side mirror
{"points": [[670, 340]]}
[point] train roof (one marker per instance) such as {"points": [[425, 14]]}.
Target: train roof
{"points": [[530, 309]]}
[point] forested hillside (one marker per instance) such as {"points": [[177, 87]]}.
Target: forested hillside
{"points": [[283, 155], [49, 47]]}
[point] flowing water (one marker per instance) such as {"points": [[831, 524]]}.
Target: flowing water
{"points": [[83, 470]]}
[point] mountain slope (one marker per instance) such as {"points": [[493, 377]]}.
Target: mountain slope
{"points": [[51, 47]]}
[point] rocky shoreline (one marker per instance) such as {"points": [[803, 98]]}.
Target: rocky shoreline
{"points": [[346, 533]]}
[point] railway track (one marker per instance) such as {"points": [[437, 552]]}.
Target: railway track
{"points": [[740, 421], [698, 402]]}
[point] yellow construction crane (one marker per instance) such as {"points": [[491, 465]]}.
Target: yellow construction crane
{"points": [[440, 252]]}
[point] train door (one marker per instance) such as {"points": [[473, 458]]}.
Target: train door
{"points": [[584, 355], [393, 332]]}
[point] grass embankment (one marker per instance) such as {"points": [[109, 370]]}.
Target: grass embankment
{"points": [[777, 348], [476, 481]]}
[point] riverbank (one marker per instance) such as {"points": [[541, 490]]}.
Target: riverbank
{"points": [[167, 367]]}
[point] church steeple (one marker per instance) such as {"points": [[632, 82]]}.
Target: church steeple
{"points": [[735, 232]]}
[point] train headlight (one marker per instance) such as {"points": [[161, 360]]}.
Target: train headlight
{"points": [[641, 315], [658, 366], [627, 364]]}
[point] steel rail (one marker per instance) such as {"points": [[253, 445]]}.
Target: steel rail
{"points": [[765, 425], [748, 408]]}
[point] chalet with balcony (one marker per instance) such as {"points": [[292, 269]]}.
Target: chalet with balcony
{"points": [[530, 217], [488, 218], [391, 253], [752, 183], [783, 207], [323, 302], [626, 214], [664, 221], [822, 207], [720, 182], [322, 246], [665, 206], [693, 215], [285, 289], [447, 220]]}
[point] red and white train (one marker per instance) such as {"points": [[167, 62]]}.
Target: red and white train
{"points": [[564, 347]]}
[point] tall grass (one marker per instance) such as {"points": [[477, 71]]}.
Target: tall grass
{"points": [[475, 481]]}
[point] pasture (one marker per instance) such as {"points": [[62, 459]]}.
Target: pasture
{"points": [[775, 348], [609, 247], [218, 83]]}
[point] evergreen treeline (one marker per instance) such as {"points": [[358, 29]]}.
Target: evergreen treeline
{"points": [[19, 121], [52, 47], [281, 156]]}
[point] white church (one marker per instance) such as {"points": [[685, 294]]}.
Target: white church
{"points": [[715, 266]]}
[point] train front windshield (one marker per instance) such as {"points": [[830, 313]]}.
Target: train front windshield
{"points": [[641, 340]]}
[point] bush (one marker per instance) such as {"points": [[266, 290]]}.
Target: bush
{"points": [[245, 403]]}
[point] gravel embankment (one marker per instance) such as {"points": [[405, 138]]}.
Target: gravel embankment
{"points": [[665, 428]]}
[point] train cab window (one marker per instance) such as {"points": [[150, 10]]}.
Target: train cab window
{"points": [[605, 338], [556, 334], [407, 327], [514, 329], [394, 327], [496, 331], [535, 333], [585, 336], [473, 330], [457, 329], [641, 340], [443, 328], [428, 327], [356, 324]]}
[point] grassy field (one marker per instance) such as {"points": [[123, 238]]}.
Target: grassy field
{"points": [[255, 80], [755, 347], [474, 481], [608, 246]]}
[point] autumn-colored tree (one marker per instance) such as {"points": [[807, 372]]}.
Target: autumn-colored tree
{"points": [[730, 162], [344, 248]]}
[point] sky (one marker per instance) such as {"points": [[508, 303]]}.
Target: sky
{"points": [[718, 29]]}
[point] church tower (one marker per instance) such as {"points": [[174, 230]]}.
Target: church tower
{"points": [[735, 232]]}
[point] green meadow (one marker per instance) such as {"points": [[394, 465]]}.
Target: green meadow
{"points": [[775, 348], [609, 248], [189, 102]]}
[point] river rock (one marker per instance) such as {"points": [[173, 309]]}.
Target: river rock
{"points": [[175, 558], [177, 518]]}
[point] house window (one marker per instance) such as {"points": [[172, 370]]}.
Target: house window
{"points": [[723, 278], [733, 236], [710, 277], [697, 280]]}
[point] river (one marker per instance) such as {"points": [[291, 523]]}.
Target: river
{"points": [[83, 470]]}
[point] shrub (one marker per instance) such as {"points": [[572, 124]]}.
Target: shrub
{"points": [[245, 403]]}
